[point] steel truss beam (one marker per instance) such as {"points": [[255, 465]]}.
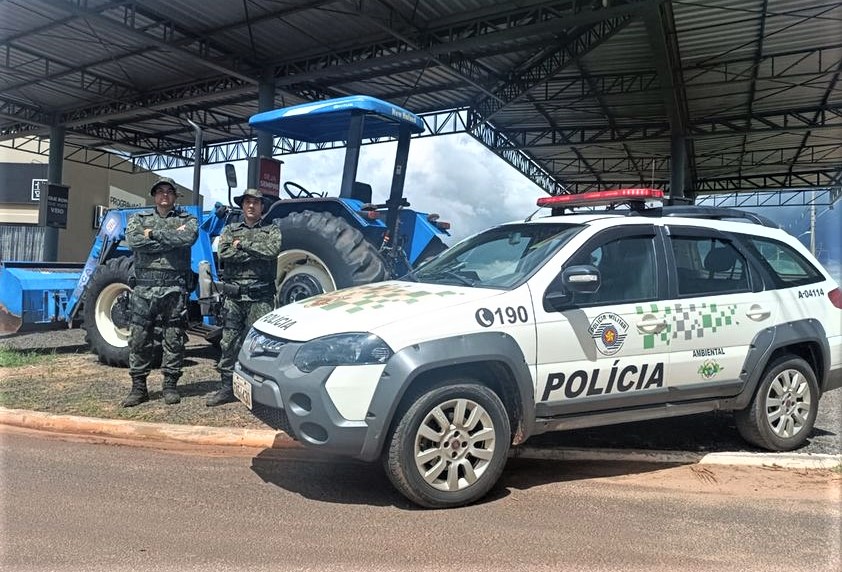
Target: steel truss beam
{"points": [[152, 29], [801, 178], [549, 64], [440, 123], [39, 69], [800, 197], [74, 153], [540, 69], [495, 30], [773, 121], [817, 155]]}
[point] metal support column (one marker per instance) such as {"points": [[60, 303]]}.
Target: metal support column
{"points": [[265, 102], [54, 175], [198, 154], [265, 142], [678, 160]]}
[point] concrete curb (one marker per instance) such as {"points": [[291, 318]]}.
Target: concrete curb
{"points": [[115, 428], [267, 439], [779, 460]]}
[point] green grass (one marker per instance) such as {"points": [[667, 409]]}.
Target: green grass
{"points": [[16, 358]]}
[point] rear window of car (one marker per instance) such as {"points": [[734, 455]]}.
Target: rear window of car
{"points": [[786, 265]]}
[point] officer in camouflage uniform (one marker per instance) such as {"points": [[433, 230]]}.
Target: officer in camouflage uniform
{"points": [[161, 240], [248, 253]]}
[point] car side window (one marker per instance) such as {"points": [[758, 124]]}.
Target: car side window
{"points": [[708, 266], [786, 265], [627, 268]]}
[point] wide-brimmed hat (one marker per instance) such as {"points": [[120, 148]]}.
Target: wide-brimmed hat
{"points": [[256, 194], [163, 181]]}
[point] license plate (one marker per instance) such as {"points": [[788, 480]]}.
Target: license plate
{"points": [[242, 389]]}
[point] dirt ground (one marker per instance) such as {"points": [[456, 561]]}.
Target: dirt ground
{"points": [[73, 382]]}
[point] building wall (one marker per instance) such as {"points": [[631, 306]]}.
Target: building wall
{"points": [[89, 186]]}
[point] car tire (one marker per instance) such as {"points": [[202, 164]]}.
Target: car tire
{"points": [[783, 410], [442, 467]]}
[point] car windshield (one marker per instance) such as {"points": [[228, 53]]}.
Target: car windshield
{"points": [[501, 257]]}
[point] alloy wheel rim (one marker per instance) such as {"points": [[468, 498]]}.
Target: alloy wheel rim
{"points": [[454, 445], [788, 403]]}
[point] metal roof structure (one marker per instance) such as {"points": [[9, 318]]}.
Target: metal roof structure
{"points": [[706, 95]]}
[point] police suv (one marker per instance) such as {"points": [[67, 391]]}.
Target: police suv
{"points": [[568, 321]]}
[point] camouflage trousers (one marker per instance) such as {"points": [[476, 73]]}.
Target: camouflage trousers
{"points": [[239, 315], [157, 311]]}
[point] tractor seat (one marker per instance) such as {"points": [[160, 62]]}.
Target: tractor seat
{"points": [[361, 192]]}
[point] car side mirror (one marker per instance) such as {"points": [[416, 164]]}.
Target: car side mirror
{"points": [[580, 278]]}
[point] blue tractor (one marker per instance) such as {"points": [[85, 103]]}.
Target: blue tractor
{"points": [[329, 242]]}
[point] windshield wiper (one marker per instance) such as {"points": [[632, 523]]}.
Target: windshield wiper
{"points": [[452, 274]]}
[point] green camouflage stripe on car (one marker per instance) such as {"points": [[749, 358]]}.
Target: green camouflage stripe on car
{"points": [[371, 298], [687, 322]]}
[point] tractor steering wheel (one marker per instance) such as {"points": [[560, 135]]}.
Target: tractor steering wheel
{"points": [[296, 191]]}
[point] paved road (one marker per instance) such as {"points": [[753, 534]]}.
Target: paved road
{"points": [[71, 505]]}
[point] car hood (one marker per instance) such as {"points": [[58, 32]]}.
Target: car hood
{"points": [[365, 308]]}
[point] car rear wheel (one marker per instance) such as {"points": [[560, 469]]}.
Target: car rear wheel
{"points": [[450, 446], [783, 410]]}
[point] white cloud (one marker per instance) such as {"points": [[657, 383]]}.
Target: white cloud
{"points": [[452, 175]]}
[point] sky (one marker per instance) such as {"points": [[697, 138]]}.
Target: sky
{"points": [[451, 175]]}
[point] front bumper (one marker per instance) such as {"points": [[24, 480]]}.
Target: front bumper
{"points": [[310, 412]]}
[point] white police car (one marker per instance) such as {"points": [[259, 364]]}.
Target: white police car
{"points": [[567, 321]]}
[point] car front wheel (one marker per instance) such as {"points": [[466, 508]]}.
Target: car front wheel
{"points": [[450, 447], [781, 415]]}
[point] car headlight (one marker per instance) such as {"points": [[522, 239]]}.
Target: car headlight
{"points": [[342, 349], [258, 343]]}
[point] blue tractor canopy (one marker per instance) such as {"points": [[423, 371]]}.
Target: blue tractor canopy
{"points": [[350, 119], [330, 120]]}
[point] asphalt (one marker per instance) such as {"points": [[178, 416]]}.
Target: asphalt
{"points": [[153, 433]]}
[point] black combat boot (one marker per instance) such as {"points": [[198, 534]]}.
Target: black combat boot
{"points": [[171, 396], [138, 394], [224, 395]]}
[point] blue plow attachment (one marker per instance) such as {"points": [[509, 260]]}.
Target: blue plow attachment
{"points": [[34, 295]]}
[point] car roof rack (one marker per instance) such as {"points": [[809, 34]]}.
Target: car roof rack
{"points": [[704, 212]]}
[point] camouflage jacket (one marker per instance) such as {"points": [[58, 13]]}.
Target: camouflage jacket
{"points": [[168, 246], [254, 260]]}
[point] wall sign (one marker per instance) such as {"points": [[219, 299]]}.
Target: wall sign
{"points": [[54, 206]]}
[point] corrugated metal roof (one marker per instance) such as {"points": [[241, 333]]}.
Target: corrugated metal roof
{"points": [[593, 92]]}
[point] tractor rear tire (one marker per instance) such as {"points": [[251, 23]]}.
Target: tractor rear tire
{"points": [[107, 311], [322, 253]]}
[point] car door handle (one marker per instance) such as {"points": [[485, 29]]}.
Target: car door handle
{"points": [[758, 312], [651, 325]]}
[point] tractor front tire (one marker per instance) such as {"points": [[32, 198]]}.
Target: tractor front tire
{"points": [[322, 253]]}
